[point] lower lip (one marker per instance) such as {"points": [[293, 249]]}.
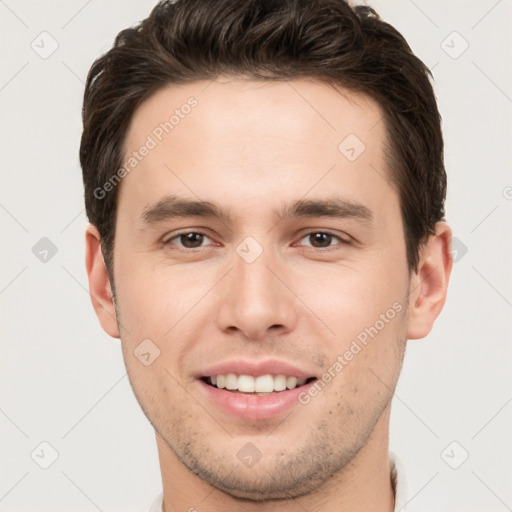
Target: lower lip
{"points": [[254, 407]]}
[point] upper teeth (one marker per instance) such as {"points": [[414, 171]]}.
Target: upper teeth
{"points": [[262, 384]]}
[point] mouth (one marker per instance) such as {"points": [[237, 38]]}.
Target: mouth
{"points": [[260, 385], [255, 390]]}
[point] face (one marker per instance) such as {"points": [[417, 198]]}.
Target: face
{"points": [[294, 273]]}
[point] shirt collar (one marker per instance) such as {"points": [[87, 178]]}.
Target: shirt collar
{"points": [[398, 482]]}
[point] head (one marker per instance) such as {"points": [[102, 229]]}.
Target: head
{"points": [[308, 138]]}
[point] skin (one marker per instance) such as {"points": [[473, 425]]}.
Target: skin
{"points": [[252, 147]]}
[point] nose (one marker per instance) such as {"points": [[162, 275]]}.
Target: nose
{"points": [[256, 299]]}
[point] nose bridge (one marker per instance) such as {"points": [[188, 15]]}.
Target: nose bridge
{"points": [[256, 299]]}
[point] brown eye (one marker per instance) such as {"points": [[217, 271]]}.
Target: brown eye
{"points": [[322, 239], [188, 240]]}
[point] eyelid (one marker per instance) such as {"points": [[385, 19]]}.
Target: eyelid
{"points": [[339, 236], [343, 237], [166, 239]]}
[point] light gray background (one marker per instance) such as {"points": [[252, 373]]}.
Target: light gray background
{"points": [[62, 378]]}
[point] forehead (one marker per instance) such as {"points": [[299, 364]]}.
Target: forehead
{"points": [[237, 106], [241, 138]]}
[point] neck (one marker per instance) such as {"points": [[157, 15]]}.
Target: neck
{"points": [[363, 485]]}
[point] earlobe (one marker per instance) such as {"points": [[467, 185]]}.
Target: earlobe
{"points": [[429, 284], [99, 283]]}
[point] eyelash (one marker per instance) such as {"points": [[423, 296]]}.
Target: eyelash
{"points": [[325, 249]]}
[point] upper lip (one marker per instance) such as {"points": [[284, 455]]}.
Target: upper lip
{"points": [[255, 368]]}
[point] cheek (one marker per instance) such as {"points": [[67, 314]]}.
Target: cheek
{"points": [[145, 293], [366, 309], [167, 305], [365, 364], [352, 298]]}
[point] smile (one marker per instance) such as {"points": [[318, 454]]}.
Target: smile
{"points": [[260, 385]]}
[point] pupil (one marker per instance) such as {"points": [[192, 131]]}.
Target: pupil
{"points": [[321, 237], [188, 240]]}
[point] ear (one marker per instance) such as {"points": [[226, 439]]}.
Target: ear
{"points": [[429, 284], [99, 283]]}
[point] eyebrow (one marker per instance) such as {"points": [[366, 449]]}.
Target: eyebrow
{"points": [[171, 207]]}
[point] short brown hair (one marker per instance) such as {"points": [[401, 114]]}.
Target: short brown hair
{"points": [[189, 40]]}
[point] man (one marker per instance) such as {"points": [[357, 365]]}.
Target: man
{"points": [[265, 186]]}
